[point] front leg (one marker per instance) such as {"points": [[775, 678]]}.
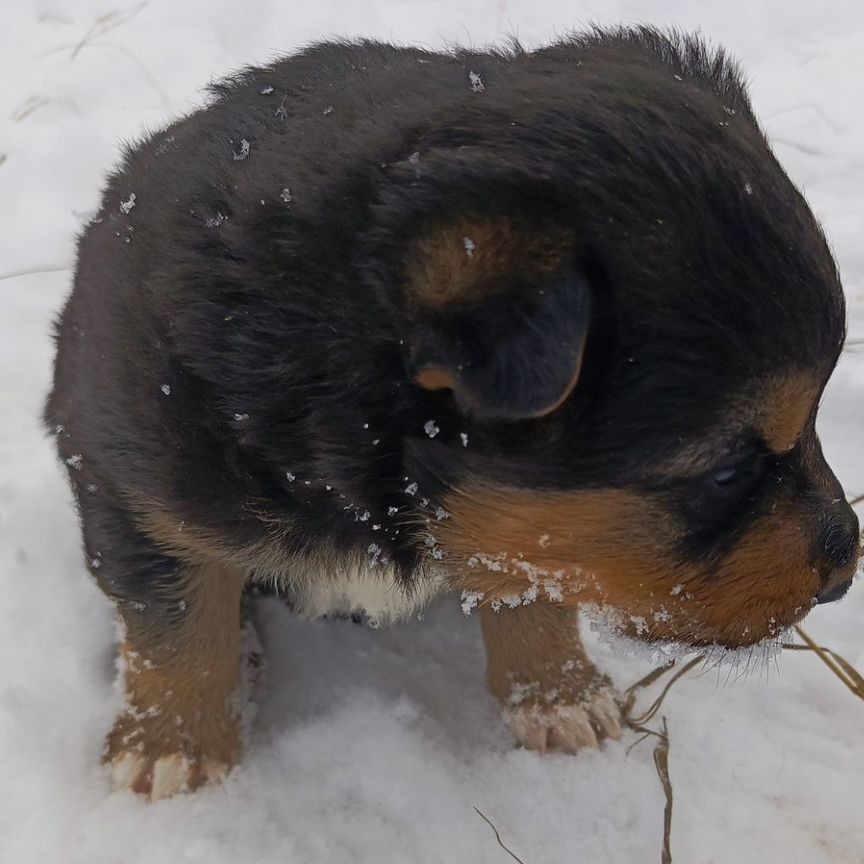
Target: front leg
{"points": [[180, 729], [537, 668], [181, 652]]}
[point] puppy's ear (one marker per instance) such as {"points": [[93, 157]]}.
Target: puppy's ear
{"points": [[510, 356]]}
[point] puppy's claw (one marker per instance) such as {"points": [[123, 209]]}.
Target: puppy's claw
{"points": [[170, 776], [606, 713], [570, 727], [126, 769], [528, 730]]}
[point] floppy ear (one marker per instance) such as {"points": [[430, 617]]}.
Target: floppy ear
{"points": [[512, 356]]}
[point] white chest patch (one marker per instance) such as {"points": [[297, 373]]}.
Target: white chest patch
{"points": [[337, 585]]}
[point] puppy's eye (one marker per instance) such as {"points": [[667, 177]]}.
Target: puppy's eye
{"points": [[726, 476], [738, 477]]}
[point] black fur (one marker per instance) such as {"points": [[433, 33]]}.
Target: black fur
{"points": [[246, 321]]}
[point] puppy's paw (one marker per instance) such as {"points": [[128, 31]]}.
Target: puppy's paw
{"points": [[552, 724], [156, 757], [158, 777], [186, 719]]}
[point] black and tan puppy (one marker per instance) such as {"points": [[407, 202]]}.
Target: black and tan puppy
{"points": [[545, 328]]}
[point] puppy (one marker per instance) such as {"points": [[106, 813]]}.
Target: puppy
{"points": [[548, 329]]}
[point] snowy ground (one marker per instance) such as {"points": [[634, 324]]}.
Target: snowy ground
{"points": [[375, 746]]}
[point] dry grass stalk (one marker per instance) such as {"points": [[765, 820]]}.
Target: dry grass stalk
{"points": [[841, 667], [661, 763], [104, 24], [488, 821], [647, 681], [60, 268], [661, 748], [28, 106]]}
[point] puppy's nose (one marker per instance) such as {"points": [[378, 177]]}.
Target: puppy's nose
{"points": [[840, 551], [840, 539]]}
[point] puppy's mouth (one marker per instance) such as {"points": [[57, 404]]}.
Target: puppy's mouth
{"points": [[628, 635], [838, 592], [749, 621], [668, 633], [611, 627]]}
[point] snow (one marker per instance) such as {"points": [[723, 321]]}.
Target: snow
{"points": [[243, 151], [376, 746], [127, 205], [470, 599], [75, 461]]}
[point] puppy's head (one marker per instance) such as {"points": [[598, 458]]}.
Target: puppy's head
{"points": [[622, 319]]}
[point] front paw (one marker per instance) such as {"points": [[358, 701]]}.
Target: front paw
{"points": [[551, 723], [159, 760], [158, 777], [183, 727]]}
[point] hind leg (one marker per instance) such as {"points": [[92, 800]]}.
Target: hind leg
{"points": [[180, 655]]}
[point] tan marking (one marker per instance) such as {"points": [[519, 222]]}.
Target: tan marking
{"points": [[541, 675], [786, 407], [780, 412], [181, 729], [443, 272], [616, 549], [187, 541], [435, 378], [193, 543]]}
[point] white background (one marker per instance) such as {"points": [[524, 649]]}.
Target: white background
{"points": [[375, 746]]}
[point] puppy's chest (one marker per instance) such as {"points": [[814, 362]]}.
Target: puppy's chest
{"points": [[336, 585]]}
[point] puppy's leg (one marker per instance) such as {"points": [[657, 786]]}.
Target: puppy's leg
{"points": [[537, 668], [181, 650], [180, 729]]}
